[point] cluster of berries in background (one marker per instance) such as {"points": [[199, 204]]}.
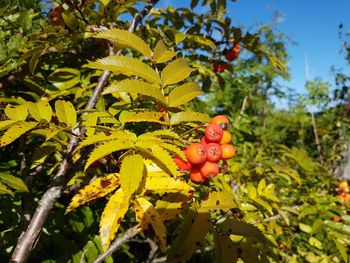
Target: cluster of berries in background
{"points": [[230, 54], [214, 148], [343, 193]]}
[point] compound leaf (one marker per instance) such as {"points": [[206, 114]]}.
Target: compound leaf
{"points": [[176, 71], [184, 93]]}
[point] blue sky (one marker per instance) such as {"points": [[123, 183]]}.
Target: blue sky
{"points": [[312, 24]]}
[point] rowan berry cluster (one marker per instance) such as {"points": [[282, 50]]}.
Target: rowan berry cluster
{"points": [[204, 157]]}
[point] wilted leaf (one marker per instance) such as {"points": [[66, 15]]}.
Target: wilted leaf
{"points": [[112, 216], [96, 189], [147, 215]]}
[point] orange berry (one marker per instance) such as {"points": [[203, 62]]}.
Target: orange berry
{"points": [[226, 138], [182, 164], [222, 120], [213, 133], [209, 169], [195, 153], [196, 175], [343, 186], [228, 151], [214, 152]]}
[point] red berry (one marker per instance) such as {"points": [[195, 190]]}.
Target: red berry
{"points": [[213, 133], [195, 153], [209, 169], [196, 176], [214, 152], [181, 164], [220, 66]]}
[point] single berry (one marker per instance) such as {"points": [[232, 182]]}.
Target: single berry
{"points": [[213, 133], [228, 151], [209, 169], [214, 152], [195, 153], [222, 120]]}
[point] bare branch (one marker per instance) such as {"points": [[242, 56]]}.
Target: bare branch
{"points": [[129, 234], [244, 106]]}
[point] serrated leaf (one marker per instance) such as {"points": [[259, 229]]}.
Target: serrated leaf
{"points": [[171, 205], [161, 182], [15, 131], [6, 123], [127, 39], [4, 189], [103, 137], [162, 54], [236, 227], [16, 113], [107, 148], [146, 116], [166, 159], [225, 249], [191, 236], [137, 87], [277, 63], [65, 112], [112, 216], [184, 93], [127, 66], [179, 37], [146, 215], [96, 189], [159, 133], [13, 182], [176, 71], [40, 110], [174, 149], [188, 116], [131, 173], [218, 200]]}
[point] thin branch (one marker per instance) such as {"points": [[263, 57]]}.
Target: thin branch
{"points": [[129, 234], [319, 149], [26, 242], [243, 108]]}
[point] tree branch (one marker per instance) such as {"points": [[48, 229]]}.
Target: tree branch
{"points": [[129, 234], [318, 145], [27, 240], [244, 106]]}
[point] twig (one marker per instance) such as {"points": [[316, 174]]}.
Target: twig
{"points": [[129, 234], [26, 242], [243, 108], [319, 149]]}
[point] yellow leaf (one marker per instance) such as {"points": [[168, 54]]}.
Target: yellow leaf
{"points": [[98, 188], [225, 249], [162, 54], [107, 148], [184, 93], [147, 215], [112, 216], [65, 112], [176, 71], [15, 131], [145, 116], [5, 124], [188, 116], [165, 159], [127, 66], [128, 39], [16, 113], [191, 236], [171, 205], [40, 110], [218, 200], [161, 182], [131, 173]]}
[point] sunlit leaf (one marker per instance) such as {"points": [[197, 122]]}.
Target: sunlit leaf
{"points": [[127, 66], [112, 216], [184, 93], [131, 173], [15, 131], [147, 215], [13, 182], [40, 110], [176, 71], [65, 112], [161, 182], [171, 204], [218, 200], [188, 116], [145, 116], [96, 189], [127, 39], [16, 113], [225, 249], [162, 54]]}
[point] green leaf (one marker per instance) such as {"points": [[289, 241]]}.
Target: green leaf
{"points": [[184, 93], [218, 200], [236, 227], [342, 248], [15, 131], [13, 182], [126, 66], [162, 54], [252, 193], [125, 38], [305, 228], [315, 243], [176, 71], [264, 204], [261, 187], [191, 236], [96, 189], [40, 110], [4, 189], [277, 63], [112, 216], [137, 87], [65, 112], [16, 113], [131, 173], [107, 148], [188, 116]]}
